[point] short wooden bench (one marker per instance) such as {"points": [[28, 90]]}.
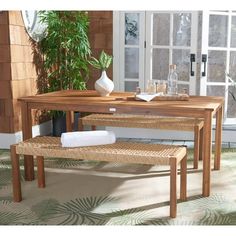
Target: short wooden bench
{"points": [[150, 122], [124, 152]]}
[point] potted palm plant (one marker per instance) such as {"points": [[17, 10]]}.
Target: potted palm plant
{"points": [[66, 50], [103, 85]]}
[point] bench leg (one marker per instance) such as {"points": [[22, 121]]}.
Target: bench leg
{"points": [[17, 197], [183, 179], [173, 189], [196, 146], [41, 173]]}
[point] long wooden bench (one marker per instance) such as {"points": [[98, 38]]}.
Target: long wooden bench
{"points": [[150, 122], [124, 152]]}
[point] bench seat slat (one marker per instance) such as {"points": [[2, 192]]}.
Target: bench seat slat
{"points": [[143, 121], [126, 152]]}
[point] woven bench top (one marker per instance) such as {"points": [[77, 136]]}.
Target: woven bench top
{"points": [[142, 121], [126, 152]]}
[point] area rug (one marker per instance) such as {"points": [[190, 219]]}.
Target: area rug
{"points": [[102, 193]]}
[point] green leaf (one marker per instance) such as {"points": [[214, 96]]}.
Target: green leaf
{"points": [[66, 49], [103, 62]]}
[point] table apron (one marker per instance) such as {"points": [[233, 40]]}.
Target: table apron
{"points": [[181, 112]]}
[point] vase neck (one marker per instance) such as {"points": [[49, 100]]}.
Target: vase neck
{"points": [[104, 73]]}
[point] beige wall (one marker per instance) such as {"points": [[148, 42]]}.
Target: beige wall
{"points": [[18, 73]]}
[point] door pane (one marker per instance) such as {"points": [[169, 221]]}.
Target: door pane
{"points": [[231, 111], [182, 29], [132, 63], [182, 61], [233, 32], [232, 65], [161, 29], [216, 91], [216, 66], [183, 88], [160, 64], [218, 26], [131, 86], [132, 25]]}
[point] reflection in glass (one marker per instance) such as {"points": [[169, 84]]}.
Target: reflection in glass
{"points": [[215, 90], [131, 63], [130, 86], [233, 32], [182, 61], [183, 88], [132, 28], [218, 26], [182, 29], [231, 109], [161, 29], [160, 64], [231, 112], [232, 65], [216, 66]]}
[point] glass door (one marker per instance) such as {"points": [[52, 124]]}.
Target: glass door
{"points": [[172, 39], [131, 50], [146, 43], [201, 43], [219, 59]]}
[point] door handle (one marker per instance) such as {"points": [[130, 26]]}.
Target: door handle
{"points": [[192, 59], [204, 60]]}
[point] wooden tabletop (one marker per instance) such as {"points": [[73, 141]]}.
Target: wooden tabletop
{"points": [[89, 100]]}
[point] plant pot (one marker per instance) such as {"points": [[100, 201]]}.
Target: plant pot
{"points": [[104, 86], [59, 124]]}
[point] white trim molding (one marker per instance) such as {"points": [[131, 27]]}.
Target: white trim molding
{"points": [[7, 139]]}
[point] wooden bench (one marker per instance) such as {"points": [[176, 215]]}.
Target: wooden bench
{"points": [[124, 152], [150, 122]]}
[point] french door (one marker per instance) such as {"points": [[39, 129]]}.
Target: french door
{"points": [[201, 43], [171, 39], [129, 52], [148, 42], [219, 59]]}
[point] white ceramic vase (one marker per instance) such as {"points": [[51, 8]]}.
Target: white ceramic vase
{"points": [[104, 86]]}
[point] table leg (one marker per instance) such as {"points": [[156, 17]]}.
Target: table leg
{"points": [[207, 148], [27, 133], [218, 138], [69, 120]]}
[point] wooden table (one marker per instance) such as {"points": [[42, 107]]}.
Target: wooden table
{"points": [[204, 107]]}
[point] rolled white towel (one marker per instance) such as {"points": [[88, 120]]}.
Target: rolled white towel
{"points": [[87, 138]]}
